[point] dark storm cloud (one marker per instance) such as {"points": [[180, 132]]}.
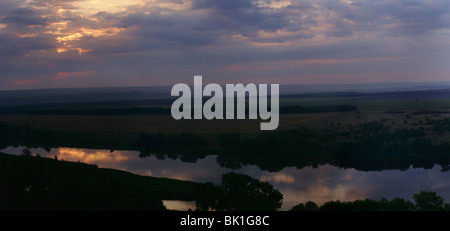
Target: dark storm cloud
{"points": [[248, 17], [223, 5], [221, 19], [24, 16], [11, 46], [18, 38], [49, 4], [158, 31], [8, 5], [213, 23]]}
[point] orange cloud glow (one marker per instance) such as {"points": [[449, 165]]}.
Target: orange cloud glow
{"points": [[61, 50], [98, 156], [27, 35], [280, 178]]}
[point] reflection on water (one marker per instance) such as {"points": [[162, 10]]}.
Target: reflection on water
{"points": [[320, 184], [101, 157], [179, 205]]}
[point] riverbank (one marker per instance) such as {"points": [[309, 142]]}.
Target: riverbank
{"points": [[39, 183]]}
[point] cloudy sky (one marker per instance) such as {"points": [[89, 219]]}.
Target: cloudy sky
{"points": [[95, 43]]}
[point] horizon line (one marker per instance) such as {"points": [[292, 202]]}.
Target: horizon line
{"points": [[281, 84]]}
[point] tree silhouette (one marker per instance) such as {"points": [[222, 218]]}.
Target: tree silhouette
{"points": [[308, 206], [396, 204], [241, 192], [238, 192], [208, 196], [428, 201], [400, 204], [26, 152]]}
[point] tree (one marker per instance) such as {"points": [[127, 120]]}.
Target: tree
{"points": [[208, 196], [334, 206], [243, 193], [308, 206], [26, 152], [400, 204], [428, 201]]}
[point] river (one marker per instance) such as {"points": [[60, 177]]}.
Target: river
{"points": [[320, 184]]}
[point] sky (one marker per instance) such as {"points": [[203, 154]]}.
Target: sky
{"points": [[106, 43]]}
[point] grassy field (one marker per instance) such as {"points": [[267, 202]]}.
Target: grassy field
{"points": [[166, 124], [369, 109]]}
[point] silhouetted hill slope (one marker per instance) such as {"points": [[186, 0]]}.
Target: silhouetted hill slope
{"points": [[37, 183]]}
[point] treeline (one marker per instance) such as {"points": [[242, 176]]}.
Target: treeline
{"points": [[97, 104], [37, 110], [317, 109], [414, 94], [374, 146], [47, 139], [371, 147], [367, 147], [274, 151], [423, 201], [188, 147], [90, 111]]}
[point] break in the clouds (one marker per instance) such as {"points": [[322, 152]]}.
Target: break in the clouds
{"points": [[92, 43]]}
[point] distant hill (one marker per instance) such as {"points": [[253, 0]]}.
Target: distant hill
{"points": [[439, 93], [137, 96], [78, 95]]}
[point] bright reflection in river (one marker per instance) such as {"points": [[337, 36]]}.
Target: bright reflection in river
{"points": [[320, 184], [102, 157]]}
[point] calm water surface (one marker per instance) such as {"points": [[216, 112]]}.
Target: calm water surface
{"points": [[320, 184]]}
